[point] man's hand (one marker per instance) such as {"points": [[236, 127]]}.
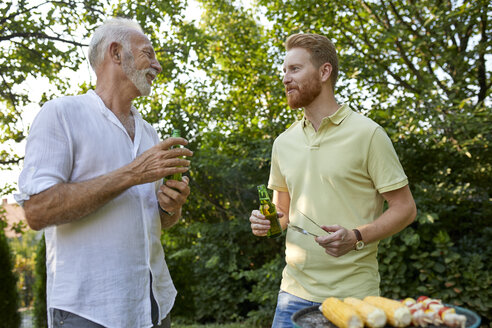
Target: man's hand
{"points": [[259, 224], [160, 161], [339, 242], [173, 194]]}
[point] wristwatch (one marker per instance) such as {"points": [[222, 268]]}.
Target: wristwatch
{"points": [[359, 244], [164, 211]]}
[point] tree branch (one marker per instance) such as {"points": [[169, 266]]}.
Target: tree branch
{"points": [[377, 61], [11, 161], [400, 48], [482, 74], [439, 82], [20, 12], [28, 35]]}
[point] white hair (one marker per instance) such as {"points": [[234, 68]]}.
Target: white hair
{"points": [[113, 30]]}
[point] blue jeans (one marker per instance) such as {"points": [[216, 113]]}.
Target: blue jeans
{"points": [[287, 305]]}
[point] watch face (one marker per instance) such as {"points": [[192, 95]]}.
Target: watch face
{"points": [[359, 245]]}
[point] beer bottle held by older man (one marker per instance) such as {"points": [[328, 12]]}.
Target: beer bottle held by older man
{"points": [[176, 176]]}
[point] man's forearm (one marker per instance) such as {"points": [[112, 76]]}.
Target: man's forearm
{"points": [[400, 213], [67, 202]]}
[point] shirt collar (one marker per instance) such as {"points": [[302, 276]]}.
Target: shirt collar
{"points": [[340, 114], [106, 111], [336, 118]]}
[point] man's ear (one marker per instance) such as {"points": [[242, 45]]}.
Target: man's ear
{"points": [[115, 50], [325, 71]]}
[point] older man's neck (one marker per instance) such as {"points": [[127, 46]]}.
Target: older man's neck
{"points": [[117, 98]]}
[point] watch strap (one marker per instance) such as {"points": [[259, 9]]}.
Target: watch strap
{"points": [[357, 234], [164, 211]]}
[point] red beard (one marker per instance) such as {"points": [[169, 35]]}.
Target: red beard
{"points": [[303, 94]]}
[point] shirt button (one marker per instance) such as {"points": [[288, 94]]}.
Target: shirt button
{"points": [[61, 322]]}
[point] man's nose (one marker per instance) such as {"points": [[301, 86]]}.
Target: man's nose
{"points": [[155, 65], [286, 79]]}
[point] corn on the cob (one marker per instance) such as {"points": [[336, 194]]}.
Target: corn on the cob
{"points": [[398, 314], [372, 316], [341, 314]]}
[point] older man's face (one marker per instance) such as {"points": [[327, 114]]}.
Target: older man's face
{"points": [[140, 64]]}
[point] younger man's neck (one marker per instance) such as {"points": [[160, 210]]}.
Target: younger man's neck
{"points": [[320, 108]]}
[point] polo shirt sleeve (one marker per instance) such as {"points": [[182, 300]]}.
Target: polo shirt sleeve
{"points": [[384, 166], [49, 153], [276, 180]]}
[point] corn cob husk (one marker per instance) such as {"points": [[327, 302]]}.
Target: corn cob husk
{"points": [[341, 314], [397, 314], [372, 316]]}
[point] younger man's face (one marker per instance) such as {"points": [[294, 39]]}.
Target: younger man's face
{"points": [[301, 80]]}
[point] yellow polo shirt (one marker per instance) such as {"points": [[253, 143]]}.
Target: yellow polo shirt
{"points": [[335, 176]]}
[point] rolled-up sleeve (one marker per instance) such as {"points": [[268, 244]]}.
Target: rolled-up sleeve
{"points": [[49, 154]]}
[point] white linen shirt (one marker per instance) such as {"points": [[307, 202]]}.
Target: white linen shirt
{"points": [[98, 266]]}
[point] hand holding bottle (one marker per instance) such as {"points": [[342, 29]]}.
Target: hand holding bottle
{"points": [[260, 224], [268, 213]]}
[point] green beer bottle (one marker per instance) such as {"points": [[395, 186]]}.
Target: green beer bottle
{"points": [[267, 208], [176, 176]]}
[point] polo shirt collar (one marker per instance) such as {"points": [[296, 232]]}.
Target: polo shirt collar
{"points": [[340, 114], [336, 118]]}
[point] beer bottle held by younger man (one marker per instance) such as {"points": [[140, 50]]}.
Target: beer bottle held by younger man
{"points": [[268, 209]]}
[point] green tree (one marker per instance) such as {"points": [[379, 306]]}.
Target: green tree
{"points": [[40, 311], [9, 297], [24, 248], [37, 40]]}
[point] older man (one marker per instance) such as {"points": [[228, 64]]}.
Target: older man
{"points": [[92, 179], [343, 170]]}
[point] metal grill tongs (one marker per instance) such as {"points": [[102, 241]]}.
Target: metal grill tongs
{"points": [[301, 230]]}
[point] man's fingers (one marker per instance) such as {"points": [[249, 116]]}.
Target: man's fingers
{"points": [[172, 141], [259, 226], [175, 162], [176, 152], [174, 193], [182, 186], [331, 228], [257, 217]]}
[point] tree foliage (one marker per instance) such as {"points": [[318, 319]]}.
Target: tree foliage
{"points": [[38, 39], [39, 303], [9, 296]]}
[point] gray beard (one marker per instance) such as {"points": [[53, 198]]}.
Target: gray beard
{"points": [[138, 77]]}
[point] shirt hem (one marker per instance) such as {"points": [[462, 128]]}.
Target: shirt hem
{"points": [[393, 186], [318, 299], [277, 188]]}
